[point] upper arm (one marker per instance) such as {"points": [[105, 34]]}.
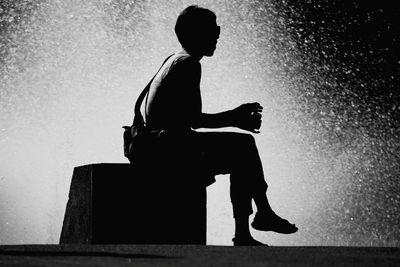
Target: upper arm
{"points": [[185, 78], [186, 73]]}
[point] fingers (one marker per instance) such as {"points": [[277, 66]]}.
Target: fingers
{"points": [[256, 116], [255, 107], [255, 123], [251, 129], [251, 107], [249, 117]]}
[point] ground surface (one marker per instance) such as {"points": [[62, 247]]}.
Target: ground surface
{"points": [[189, 255]]}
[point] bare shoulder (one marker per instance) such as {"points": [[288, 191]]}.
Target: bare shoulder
{"points": [[186, 62]]}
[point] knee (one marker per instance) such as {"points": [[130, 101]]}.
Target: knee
{"points": [[244, 144], [247, 140], [250, 139]]}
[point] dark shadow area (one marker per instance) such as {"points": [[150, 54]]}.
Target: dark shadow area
{"points": [[352, 47], [359, 39], [82, 254], [184, 255]]}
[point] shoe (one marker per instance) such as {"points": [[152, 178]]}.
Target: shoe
{"points": [[273, 223], [247, 242]]}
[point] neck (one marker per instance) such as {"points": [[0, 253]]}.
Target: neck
{"points": [[196, 55]]}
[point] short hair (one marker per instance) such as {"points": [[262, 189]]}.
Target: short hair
{"points": [[191, 22]]}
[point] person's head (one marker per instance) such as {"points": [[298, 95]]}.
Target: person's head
{"points": [[197, 30]]}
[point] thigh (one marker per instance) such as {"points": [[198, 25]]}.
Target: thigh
{"points": [[223, 152]]}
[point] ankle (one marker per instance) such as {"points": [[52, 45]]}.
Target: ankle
{"points": [[264, 214], [243, 236], [242, 232], [242, 229]]}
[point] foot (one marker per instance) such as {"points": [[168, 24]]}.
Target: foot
{"points": [[273, 222], [247, 241]]}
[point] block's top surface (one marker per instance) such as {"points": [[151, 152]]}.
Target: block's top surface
{"points": [[162, 175], [105, 164]]}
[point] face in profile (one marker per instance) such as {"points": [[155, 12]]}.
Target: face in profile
{"points": [[204, 38], [209, 38]]}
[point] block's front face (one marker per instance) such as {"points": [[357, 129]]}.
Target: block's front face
{"points": [[142, 207], [110, 202], [77, 225]]}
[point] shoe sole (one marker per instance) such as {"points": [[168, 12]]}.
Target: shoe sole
{"points": [[279, 231]]}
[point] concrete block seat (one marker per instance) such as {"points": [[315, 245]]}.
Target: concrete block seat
{"points": [[116, 203]]}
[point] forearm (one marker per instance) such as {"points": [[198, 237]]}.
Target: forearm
{"points": [[217, 120]]}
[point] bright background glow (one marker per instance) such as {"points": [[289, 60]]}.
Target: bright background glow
{"points": [[69, 81]]}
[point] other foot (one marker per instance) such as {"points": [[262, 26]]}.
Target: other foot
{"points": [[248, 241], [273, 222]]}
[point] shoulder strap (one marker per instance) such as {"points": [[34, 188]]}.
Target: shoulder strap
{"points": [[138, 115]]}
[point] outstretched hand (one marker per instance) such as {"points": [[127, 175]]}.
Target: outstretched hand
{"points": [[248, 117]]}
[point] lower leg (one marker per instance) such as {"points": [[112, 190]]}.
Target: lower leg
{"points": [[247, 182], [242, 226], [253, 171], [262, 204], [266, 219], [242, 233]]}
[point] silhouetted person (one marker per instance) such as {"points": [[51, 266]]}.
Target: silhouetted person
{"points": [[174, 105]]}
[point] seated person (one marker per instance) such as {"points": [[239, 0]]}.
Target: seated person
{"points": [[174, 106]]}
